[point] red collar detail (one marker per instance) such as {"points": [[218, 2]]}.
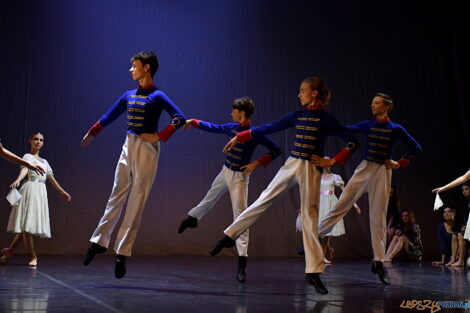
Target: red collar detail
{"points": [[314, 107], [146, 86], [246, 124], [384, 120]]}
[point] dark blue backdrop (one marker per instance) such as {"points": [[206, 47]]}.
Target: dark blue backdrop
{"points": [[65, 63]]}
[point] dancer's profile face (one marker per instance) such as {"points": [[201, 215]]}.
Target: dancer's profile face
{"points": [[237, 115], [306, 94], [378, 106], [36, 141], [137, 70]]}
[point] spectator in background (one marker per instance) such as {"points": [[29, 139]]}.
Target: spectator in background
{"points": [[444, 236], [407, 238]]}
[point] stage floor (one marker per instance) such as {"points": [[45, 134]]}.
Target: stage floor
{"points": [[207, 284]]}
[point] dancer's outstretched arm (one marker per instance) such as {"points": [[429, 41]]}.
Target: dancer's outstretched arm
{"points": [[262, 130], [460, 180], [16, 159], [61, 190]]}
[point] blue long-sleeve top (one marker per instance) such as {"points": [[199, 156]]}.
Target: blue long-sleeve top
{"points": [[381, 137], [144, 107], [241, 154], [312, 126], [445, 240]]}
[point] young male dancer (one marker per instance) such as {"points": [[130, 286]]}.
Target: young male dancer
{"points": [[313, 124], [374, 176], [235, 174], [137, 166]]}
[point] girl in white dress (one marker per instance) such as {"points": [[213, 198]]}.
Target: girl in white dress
{"points": [[30, 216], [329, 181]]}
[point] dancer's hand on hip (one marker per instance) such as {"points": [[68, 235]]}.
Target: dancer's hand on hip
{"points": [[249, 168], [391, 164], [322, 162]]}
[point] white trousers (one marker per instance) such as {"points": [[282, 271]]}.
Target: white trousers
{"points": [[374, 179], [237, 185], [134, 176], [294, 171]]}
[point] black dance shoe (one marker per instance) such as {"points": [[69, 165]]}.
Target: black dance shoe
{"points": [[120, 266], [314, 280], [379, 269], [241, 275], [189, 222], [93, 249], [226, 242]]}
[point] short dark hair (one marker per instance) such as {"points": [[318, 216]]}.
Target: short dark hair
{"points": [[244, 104], [387, 100], [147, 57]]}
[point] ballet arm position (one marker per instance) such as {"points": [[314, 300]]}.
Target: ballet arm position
{"points": [[62, 192], [23, 173], [14, 158], [229, 146], [165, 133], [87, 140], [458, 181], [340, 158]]}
